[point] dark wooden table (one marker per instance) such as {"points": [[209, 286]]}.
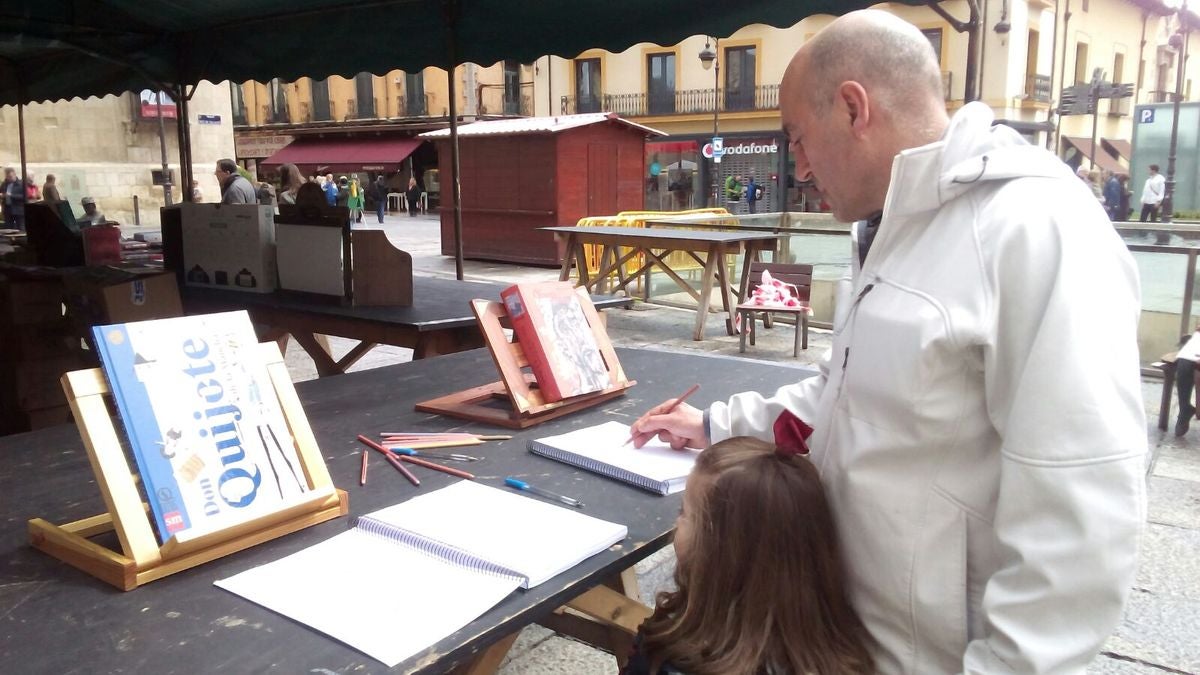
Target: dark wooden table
{"points": [[55, 619], [622, 244], [438, 322]]}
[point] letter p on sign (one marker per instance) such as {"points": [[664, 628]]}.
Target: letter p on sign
{"points": [[1146, 116]]}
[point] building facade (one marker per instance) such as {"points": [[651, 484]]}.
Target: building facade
{"points": [[108, 148]]}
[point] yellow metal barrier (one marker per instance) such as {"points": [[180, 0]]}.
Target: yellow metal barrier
{"points": [[678, 261]]}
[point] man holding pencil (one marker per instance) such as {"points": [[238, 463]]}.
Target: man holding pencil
{"points": [[978, 426]]}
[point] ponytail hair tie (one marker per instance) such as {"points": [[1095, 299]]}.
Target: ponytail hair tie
{"points": [[791, 435]]}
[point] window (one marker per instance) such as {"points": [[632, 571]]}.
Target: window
{"points": [[239, 103], [512, 87], [739, 78], [364, 91], [277, 109], [934, 35], [320, 101], [660, 83], [1081, 56], [1031, 53], [414, 88], [587, 85]]}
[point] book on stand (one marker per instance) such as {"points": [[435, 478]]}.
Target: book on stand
{"points": [[411, 574], [558, 342], [601, 449], [203, 422]]}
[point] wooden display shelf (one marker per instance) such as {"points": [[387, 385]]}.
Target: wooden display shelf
{"points": [[141, 559]]}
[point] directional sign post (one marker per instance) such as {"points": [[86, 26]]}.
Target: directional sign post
{"points": [[718, 149]]}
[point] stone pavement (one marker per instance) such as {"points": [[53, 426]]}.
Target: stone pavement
{"points": [[1158, 633]]}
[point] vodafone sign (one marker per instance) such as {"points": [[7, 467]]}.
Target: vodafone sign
{"points": [[744, 148]]}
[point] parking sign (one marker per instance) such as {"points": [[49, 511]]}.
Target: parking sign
{"points": [[1146, 116]]}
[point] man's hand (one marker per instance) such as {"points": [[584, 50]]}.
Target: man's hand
{"points": [[682, 427]]}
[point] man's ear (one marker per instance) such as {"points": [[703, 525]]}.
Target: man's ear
{"points": [[853, 98]]}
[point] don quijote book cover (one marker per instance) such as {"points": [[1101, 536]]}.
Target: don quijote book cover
{"points": [[202, 419]]}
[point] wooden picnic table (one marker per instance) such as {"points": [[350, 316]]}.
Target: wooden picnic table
{"points": [[58, 619], [706, 247]]}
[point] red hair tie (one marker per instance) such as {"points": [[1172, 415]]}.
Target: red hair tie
{"points": [[791, 435]]}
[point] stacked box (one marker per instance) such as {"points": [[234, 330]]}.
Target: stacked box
{"points": [[37, 345]]}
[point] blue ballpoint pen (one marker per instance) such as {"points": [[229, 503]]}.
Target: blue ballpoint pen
{"points": [[526, 487]]}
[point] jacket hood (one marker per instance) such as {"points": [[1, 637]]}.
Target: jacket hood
{"points": [[972, 152]]}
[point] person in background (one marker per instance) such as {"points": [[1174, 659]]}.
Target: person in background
{"points": [[1125, 210], [50, 190], [356, 201], [752, 191], [1152, 195], [760, 584], [1112, 197], [331, 189], [733, 189], [197, 195], [32, 193], [978, 424], [379, 192], [14, 200], [265, 193], [91, 214], [1092, 180], [235, 189], [413, 196], [290, 181]]}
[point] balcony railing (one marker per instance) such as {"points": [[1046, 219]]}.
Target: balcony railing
{"points": [[412, 106], [272, 115], [1037, 88], [363, 112], [684, 102]]}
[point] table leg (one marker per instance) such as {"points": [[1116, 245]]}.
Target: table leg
{"points": [[581, 264], [568, 253], [488, 661], [318, 353], [723, 285], [715, 257]]}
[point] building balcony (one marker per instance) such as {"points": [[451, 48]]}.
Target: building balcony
{"points": [[1037, 88], [240, 118], [683, 102], [412, 106], [273, 115]]}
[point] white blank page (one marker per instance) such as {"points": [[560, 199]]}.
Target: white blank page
{"points": [[606, 443], [532, 538]]}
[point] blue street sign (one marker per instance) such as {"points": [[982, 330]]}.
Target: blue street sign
{"points": [[1146, 116]]}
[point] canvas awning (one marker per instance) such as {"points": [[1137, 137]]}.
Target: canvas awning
{"points": [[1117, 147], [1103, 159], [345, 155]]}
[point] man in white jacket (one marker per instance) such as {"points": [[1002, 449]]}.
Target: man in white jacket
{"points": [[979, 426]]}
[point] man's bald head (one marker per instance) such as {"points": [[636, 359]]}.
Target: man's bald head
{"points": [[888, 56]]}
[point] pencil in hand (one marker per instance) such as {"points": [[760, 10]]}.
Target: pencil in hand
{"points": [[683, 397]]}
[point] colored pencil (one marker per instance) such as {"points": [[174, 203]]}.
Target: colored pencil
{"points": [[362, 477], [390, 458], [419, 445], [436, 467], [683, 397], [449, 434]]}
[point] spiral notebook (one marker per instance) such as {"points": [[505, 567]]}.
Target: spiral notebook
{"points": [[412, 574], [601, 449]]}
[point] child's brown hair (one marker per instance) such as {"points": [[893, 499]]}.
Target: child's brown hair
{"points": [[760, 584]]}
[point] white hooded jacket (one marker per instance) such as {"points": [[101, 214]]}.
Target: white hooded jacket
{"points": [[979, 426]]}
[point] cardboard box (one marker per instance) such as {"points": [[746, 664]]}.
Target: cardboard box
{"points": [[229, 246], [107, 295]]}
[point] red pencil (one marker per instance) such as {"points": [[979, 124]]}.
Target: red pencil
{"points": [[390, 458], [362, 477], [436, 467]]}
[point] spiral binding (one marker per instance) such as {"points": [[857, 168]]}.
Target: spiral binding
{"points": [[538, 448], [434, 549]]}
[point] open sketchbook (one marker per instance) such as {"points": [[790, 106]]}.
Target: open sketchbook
{"points": [[411, 574], [655, 467]]}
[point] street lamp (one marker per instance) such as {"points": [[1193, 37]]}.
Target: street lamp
{"points": [[708, 59], [1179, 42]]}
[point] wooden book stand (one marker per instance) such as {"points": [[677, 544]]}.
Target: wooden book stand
{"points": [[526, 407], [141, 559]]}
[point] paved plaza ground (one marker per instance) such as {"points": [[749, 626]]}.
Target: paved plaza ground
{"points": [[1158, 633]]}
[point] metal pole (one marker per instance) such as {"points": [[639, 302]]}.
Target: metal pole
{"points": [[1168, 202], [1094, 94], [716, 114], [1062, 75], [162, 150], [21, 139], [455, 167]]}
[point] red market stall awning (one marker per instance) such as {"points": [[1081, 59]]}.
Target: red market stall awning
{"points": [[345, 155]]}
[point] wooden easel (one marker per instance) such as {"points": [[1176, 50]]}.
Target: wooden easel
{"points": [[141, 559], [526, 405]]}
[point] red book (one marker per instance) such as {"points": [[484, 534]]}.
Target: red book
{"points": [[101, 245], [549, 323]]}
